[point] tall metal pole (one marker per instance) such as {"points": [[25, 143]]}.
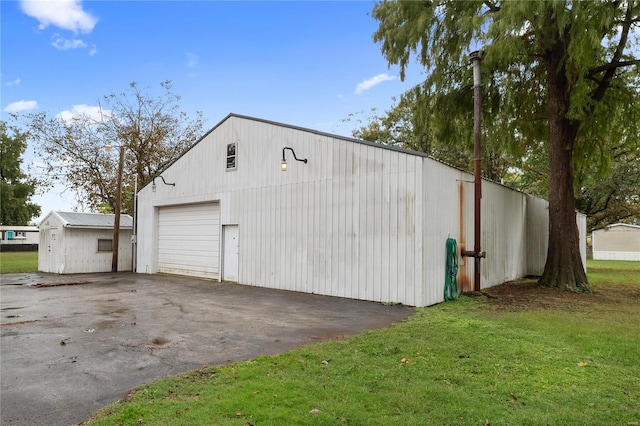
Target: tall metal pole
{"points": [[477, 163], [134, 238], [116, 218]]}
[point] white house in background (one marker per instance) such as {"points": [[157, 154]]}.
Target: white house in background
{"points": [[73, 243], [616, 242], [356, 220], [19, 235]]}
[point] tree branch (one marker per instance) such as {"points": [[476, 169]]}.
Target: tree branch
{"points": [[493, 7], [598, 94], [612, 66]]}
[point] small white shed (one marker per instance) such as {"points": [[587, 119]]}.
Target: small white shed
{"points": [[74, 243], [619, 241]]}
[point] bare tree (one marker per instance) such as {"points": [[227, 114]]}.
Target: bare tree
{"points": [[153, 131]]}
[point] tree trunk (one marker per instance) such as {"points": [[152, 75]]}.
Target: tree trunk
{"points": [[564, 268]]}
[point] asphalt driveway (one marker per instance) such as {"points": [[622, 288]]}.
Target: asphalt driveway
{"points": [[75, 343]]}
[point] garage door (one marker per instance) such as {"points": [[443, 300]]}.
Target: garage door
{"points": [[189, 240]]}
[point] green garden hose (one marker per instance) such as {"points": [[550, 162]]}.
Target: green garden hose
{"points": [[451, 273]]}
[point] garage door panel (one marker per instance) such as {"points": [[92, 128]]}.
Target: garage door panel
{"points": [[193, 244], [197, 257], [190, 226], [189, 240]]}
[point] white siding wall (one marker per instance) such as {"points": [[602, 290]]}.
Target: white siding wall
{"points": [[617, 242], [581, 220], [616, 255], [65, 250], [49, 247], [537, 234], [81, 255], [314, 228], [504, 234], [30, 234], [356, 221]]}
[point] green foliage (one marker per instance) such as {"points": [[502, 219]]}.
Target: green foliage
{"points": [[18, 262], [461, 362], [614, 197], [152, 130], [16, 189], [514, 36], [559, 76]]}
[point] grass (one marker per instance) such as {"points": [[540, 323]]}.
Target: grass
{"points": [[18, 262], [563, 359]]}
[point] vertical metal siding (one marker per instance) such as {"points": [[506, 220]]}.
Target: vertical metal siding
{"points": [[75, 250], [537, 234], [503, 234], [189, 240], [81, 251], [356, 221], [581, 221], [617, 242]]}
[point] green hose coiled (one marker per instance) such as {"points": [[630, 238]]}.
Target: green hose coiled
{"points": [[451, 273]]}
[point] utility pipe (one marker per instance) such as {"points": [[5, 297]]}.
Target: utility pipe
{"points": [[134, 237], [116, 216], [477, 254]]}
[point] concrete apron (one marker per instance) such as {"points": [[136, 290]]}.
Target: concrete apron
{"points": [[68, 350]]}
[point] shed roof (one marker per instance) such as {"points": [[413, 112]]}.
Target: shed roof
{"points": [[91, 220], [624, 225], [19, 228]]}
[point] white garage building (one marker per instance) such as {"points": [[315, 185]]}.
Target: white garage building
{"points": [[357, 220]]}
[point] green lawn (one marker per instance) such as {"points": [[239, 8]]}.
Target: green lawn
{"points": [[18, 262], [522, 355]]}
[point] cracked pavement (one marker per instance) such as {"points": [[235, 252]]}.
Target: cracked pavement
{"points": [[71, 344]]}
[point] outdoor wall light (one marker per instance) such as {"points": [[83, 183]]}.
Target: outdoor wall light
{"points": [[284, 159], [153, 182]]}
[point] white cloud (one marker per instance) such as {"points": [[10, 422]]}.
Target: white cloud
{"points": [[21, 106], [65, 14], [93, 50], [94, 113], [192, 60], [64, 44], [15, 82], [373, 81]]}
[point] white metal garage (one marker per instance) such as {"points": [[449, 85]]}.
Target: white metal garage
{"points": [[350, 218], [189, 240]]}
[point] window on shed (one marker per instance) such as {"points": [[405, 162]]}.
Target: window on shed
{"points": [[105, 245], [231, 156]]}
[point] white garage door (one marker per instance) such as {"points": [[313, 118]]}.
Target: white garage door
{"points": [[189, 240]]}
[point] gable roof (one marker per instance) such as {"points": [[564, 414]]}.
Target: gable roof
{"points": [[303, 129], [19, 228], [316, 132], [627, 225], [319, 133], [90, 220]]}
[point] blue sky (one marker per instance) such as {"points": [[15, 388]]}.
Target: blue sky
{"points": [[304, 63]]}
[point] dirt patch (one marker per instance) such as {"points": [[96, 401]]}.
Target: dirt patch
{"points": [[529, 295]]}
